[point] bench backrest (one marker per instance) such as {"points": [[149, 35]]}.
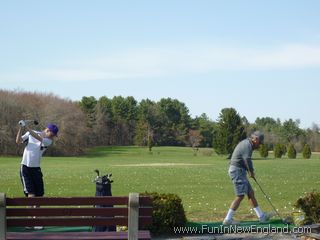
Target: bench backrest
{"points": [[75, 211]]}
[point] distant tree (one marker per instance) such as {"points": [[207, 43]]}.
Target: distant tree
{"points": [[306, 152], [194, 138], [46, 108], [312, 136], [124, 108], [292, 153], [87, 105], [263, 149], [266, 123], [279, 150], [124, 112], [150, 142], [104, 121], [228, 131], [175, 122], [148, 123], [205, 126], [271, 129], [290, 130]]}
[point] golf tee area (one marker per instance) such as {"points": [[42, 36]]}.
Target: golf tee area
{"points": [[200, 179]]}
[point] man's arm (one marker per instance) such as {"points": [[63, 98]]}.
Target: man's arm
{"points": [[247, 159], [34, 134], [249, 166], [18, 137]]}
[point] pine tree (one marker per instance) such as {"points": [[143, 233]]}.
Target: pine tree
{"points": [[278, 150], [228, 131], [263, 149], [306, 152], [292, 153]]}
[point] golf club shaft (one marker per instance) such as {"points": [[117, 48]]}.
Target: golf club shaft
{"points": [[265, 195]]}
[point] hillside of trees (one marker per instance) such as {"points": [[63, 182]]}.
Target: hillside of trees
{"points": [[124, 121]]}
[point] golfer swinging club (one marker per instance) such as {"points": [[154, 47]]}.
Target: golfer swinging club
{"points": [[240, 165], [36, 145]]}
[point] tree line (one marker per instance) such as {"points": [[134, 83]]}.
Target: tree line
{"points": [[125, 121]]}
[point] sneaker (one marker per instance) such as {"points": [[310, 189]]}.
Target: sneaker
{"points": [[266, 217], [38, 227], [230, 222], [29, 228]]}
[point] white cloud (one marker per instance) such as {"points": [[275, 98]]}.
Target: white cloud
{"points": [[167, 61]]}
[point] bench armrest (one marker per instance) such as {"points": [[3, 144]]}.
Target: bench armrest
{"points": [[3, 219], [133, 216]]}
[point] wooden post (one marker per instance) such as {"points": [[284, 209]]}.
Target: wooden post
{"points": [[3, 220], [133, 216]]}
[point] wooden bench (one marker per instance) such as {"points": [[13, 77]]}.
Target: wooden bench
{"points": [[134, 211]]}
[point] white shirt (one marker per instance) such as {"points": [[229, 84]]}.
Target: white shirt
{"points": [[33, 151]]}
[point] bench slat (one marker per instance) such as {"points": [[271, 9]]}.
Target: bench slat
{"points": [[144, 235], [107, 212], [123, 221], [58, 201]]}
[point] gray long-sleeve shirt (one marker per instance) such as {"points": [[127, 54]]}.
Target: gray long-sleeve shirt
{"points": [[241, 156]]}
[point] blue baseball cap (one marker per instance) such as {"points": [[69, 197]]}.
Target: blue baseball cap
{"points": [[53, 128]]}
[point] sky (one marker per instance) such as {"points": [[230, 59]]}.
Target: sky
{"points": [[261, 57]]}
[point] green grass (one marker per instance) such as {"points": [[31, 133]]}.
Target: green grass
{"points": [[201, 181]]}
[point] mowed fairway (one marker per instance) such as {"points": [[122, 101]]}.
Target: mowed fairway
{"points": [[201, 181]]}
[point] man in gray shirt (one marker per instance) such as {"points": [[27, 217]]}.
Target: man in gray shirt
{"points": [[240, 165]]}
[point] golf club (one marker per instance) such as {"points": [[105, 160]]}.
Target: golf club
{"points": [[105, 179], [35, 122], [284, 220]]}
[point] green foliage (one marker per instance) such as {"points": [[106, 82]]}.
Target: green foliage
{"points": [[292, 153], [290, 130], [150, 143], [306, 151], [87, 105], [279, 150], [148, 123], [263, 150], [175, 122], [124, 121], [141, 134], [206, 126], [124, 108], [310, 205], [104, 123], [195, 138], [266, 122], [168, 213], [228, 132]]}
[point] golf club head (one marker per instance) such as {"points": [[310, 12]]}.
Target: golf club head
{"points": [[35, 122], [103, 179], [287, 220]]}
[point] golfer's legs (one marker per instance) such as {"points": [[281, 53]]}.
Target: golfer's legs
{"points": [[236, 202], [252, 199]]}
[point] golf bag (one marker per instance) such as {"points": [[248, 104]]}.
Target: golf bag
{"points": [[103, 188]]}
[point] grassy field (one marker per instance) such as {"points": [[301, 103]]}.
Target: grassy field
{"points": [[201, 181]]}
